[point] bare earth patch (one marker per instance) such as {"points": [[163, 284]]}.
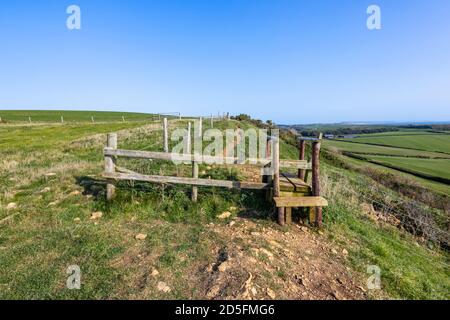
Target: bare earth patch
{"points": [[270, 263], [250, 260]]}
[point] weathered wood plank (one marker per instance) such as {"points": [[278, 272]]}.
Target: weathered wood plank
{"points": [[276, 177], [295, 181], [300, 202], [295, 164], [302, 151], [200, 158], [295, 194], [166, 135], [194, 176], [287, 185], [110, 165], [316, 179], [188, 181]]}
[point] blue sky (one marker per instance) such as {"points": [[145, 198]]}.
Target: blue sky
{"points": [[290, 61]]}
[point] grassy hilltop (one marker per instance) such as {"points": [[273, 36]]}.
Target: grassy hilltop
{"points": [[17, 116], [152, 242]]}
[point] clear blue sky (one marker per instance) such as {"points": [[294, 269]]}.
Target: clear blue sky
{"points": [[289, 61]]}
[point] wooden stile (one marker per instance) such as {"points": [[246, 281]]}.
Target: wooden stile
{"points": [[287, 190]]}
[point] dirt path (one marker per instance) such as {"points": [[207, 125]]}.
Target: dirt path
{"points": [[261, 262]]}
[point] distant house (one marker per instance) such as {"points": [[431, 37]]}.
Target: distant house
{"points": [[329, 136]]}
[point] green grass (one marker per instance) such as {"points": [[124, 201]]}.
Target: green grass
{"points": [[434, 186], [433, 167], [403, 132], [361, 148], [42, 239], [27, 138], [408, 270], [71, 116], [419, 153], [426, 142]]}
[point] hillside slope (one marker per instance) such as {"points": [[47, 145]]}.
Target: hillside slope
{"points": [[153, 242]]}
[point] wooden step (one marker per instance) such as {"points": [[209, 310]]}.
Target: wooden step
{"points": [[293, 185], [297, 202], [295, 194]]}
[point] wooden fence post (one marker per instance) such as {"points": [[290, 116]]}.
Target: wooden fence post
{"points": [[188, 139], [110, 166], [268, 178], [316, 180], [302, 147], [200, 127], [276, 176], [195, 176], [166, 135]]}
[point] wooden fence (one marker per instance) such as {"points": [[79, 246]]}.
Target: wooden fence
{"points": [[271, 182]]}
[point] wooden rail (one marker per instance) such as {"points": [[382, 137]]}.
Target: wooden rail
{"points": [[293, 164], [271, 181], [187, 181]]}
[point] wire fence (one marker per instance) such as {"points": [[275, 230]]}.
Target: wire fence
{"points": [[68, 118]]}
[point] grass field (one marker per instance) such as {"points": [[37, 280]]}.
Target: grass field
{"points": [[29, 138], [52, 173], [431, 185], [403, 132], [360, 148], [425, 142], [71, 116], [433, 167], [420, 153]]}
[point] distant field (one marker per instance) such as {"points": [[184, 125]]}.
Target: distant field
{"points": [[433, 167], [420, 153], [399, 133], [361, 148], [71, 116], [438, 187], [427, 142]]}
